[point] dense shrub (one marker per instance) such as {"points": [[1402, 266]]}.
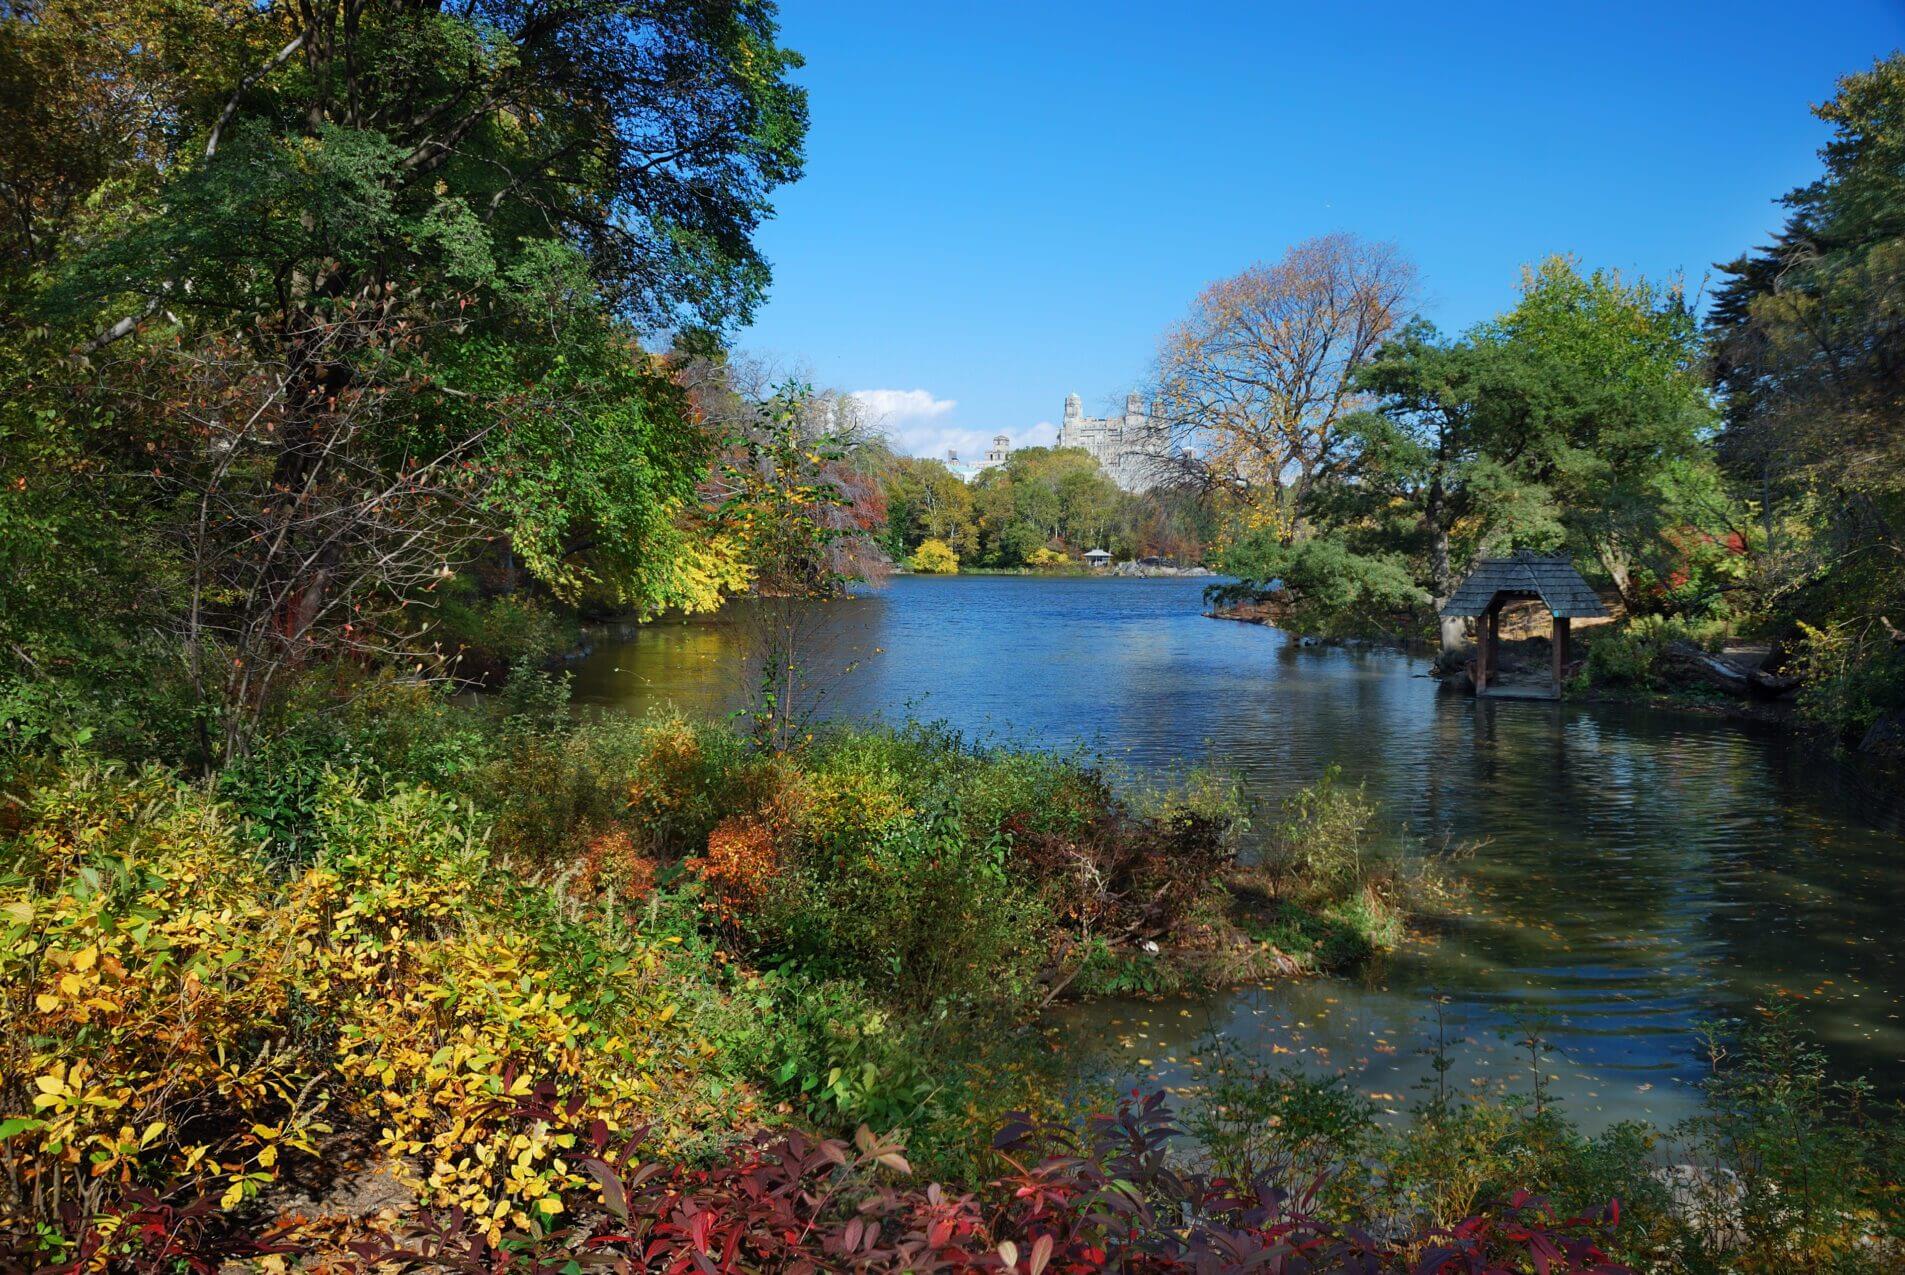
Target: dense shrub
{"points": [[1631, 653], [1337, 887], [1126, 878], [1851, 677], [921, 911], [684, 779], [153, 1000], [181, 1017], [554, 902], [934, 557], [935, 870], [489, 635]]}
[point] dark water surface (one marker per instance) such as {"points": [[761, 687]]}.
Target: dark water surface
{"points": [[1635, 871]]}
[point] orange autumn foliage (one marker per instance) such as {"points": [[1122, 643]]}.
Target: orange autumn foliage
{"points": [[742, 860]]}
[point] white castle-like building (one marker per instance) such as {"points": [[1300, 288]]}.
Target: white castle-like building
{"points": [[1128, 447], [967, 470]]}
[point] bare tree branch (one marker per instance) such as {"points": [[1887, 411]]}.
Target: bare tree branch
{"points": [[231, 105]]}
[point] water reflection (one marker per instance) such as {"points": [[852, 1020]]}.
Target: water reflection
{"points": [[1636, 871]]}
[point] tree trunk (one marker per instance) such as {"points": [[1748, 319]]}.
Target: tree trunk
{"points": [[1453, 632], [1615, 563]]}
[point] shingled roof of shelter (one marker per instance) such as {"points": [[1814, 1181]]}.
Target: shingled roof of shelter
{"points": [[1553, 580]]}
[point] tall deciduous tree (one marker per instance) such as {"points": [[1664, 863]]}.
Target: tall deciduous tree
{"points": [[927, 501], [376, 300], [1257, 381], [1577, 420], [1614, 418], [1443, 446]]}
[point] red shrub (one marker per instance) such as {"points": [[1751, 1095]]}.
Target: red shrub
{"points": [[1074, 1201], [1104, 1197]]}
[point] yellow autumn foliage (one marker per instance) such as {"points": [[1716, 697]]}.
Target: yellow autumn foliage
{"points": [[934, 557], [180, 1013], [142, 965]]}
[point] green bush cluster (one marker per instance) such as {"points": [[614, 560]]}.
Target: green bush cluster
{"points": [[491, 634], [1852, 677], [1338, 888], [1630, 653], [1332, 590]]}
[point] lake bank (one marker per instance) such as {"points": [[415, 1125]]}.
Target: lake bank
{"points": [[1566, 819], [669, 925]]}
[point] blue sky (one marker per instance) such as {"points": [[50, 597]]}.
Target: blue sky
{"points": [[1008, 202]]}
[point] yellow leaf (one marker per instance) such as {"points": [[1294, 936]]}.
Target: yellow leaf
{"points": [[46, 1002], [87, 958]]}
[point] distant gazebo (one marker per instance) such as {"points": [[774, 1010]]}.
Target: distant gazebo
{"points": [[1551, 581], [1097, 558]]}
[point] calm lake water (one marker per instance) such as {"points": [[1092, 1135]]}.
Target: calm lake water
{"points": [[1633, 871]]}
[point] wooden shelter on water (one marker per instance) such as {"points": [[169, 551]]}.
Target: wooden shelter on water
{"points": [[1551, 581]]}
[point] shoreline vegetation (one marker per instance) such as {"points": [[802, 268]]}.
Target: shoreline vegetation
{"points": [[1652, 665], [418, 975], [383, 924], [1118, 571]]}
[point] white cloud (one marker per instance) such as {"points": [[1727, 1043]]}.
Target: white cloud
{"points": [[890, 407], [913, 421]]}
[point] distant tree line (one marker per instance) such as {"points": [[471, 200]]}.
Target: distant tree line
{"points": [[1043, 506]]}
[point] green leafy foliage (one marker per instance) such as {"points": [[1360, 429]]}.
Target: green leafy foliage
{"points": [[1808, 341], [1631, 653], [1334, 590], [360, 310]]}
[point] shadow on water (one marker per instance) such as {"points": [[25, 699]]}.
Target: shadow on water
{"points": [[1635, 870]]}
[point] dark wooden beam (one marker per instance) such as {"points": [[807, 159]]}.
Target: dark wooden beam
{"points": [[1486, 633], [1560, 651]]}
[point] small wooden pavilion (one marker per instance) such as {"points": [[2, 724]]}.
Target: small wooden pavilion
{"points": [[1551, 581]]}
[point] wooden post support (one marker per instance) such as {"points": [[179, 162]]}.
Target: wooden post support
{"points": [[1484, 644], [1481, 654], [1560, 651]]}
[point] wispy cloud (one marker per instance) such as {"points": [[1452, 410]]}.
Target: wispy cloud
{"points": [[915, 423]]}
